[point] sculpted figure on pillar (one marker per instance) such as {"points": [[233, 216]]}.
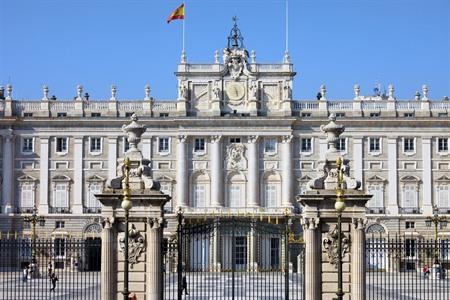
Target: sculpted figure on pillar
{"points": [[183, 91], [216, 138], [287, 138], [359, 223], [216, 90], [253, 138], [310, 223], [182, 138], [254, 90]]}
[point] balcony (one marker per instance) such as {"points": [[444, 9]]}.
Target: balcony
{"points": [[375, 210], [444, 210], [92, 210], [59, 210], [24, 210], [409, 210]]}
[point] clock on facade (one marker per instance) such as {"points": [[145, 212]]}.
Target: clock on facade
{"points": [[235, 91]]}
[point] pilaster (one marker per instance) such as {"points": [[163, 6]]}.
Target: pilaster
{"points": [[358, 159], [358, 276], [43, 175], [426, 177], [182, 172], [253, 172], [154, 275], [8, 172], [216, 171], [286, 156], [77, 207], [112, 157], [312, 259], [108, 273], [392, 176]]}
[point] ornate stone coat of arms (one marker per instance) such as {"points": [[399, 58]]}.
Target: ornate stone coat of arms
{"points": [[235, 157]]}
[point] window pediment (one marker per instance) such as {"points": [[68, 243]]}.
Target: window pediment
{"points": [[165, 178], [304, 178], [95, 178], [27, 179], [61, 178], [376, 179], [410, 179], [443, 179]]}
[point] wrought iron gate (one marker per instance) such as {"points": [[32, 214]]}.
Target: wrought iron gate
{"points": [[233, 258], [25, 266]]}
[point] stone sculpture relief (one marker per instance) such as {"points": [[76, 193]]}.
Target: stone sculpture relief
{"points": [[330, 244], [136, 244], [235, 157]]}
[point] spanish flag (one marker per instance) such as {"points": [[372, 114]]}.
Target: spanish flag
{"points": [[178, 14]]}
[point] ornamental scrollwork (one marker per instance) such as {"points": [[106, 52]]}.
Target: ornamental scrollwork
{"points": [[330, 244], [136, 244]]}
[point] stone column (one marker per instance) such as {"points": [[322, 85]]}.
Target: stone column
{"points": [[312, 266], [77, 206], [216, 171], [358, 276], [286, 157], [108, 271], [43, 176], [253, 172], [392, 176], [215, 248], [426, 177], [8, 172], [154, 280], [252, 249], [182, 172], [112, 157]]}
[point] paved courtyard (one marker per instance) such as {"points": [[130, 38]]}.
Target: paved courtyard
{"points": [[71, 285]]}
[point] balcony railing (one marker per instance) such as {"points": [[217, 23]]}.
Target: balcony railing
{"points": [[409, 210], [375, 210], [24, 210], [444, 210], [92, 210], [59, 210]]}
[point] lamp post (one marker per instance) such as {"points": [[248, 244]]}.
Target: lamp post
{"points": [[33, 220], [436, 220], [126, 205], [339, 206]]}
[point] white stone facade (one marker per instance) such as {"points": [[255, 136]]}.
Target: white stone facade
{"points": [[234, 141]]}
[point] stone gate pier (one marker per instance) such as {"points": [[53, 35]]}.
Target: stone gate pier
{"points": [[319, 221], [146, 222]]}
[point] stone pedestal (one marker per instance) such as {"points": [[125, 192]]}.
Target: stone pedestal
{"points": [[320, 227], [145, 228]]}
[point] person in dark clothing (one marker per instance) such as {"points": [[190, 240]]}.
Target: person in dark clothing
{"points": [[53, 280], [184, 286]]}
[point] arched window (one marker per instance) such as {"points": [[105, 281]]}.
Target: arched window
{"points": [[236, 190]]}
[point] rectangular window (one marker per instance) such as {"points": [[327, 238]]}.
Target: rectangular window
{"points": [[60, 224], [408, 145], [163, 115], [377, 196], [241, 251], [163, 146], [271, 195], [341, 145], [274, 252], [26, 196], [443, 144], [61, 200], [410, 197], [61, 144], [96, 144], [126, 145], [199, 195], [306, 115], [444, 197], [442, 115], [27, 145], [60, 247], [199, 145], [235, 140], [61, 115], [340, 115], [96, 115], [270, 146], [374, 144], [235, 195], [167, 189], [374, 115], [94, 188], [408, 115], [409, 225], [410, 248], [306, 144], [129, 114], [27, 114]]}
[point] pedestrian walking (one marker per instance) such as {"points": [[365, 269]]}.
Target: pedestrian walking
{"points": [[49, 269], [53, 280], [426, 271], [184, 286], [25, 274]]}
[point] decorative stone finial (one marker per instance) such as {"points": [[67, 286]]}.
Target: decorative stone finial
{"points": [[417, 96], [216, 57], [323, 92], [328, 168], [356, 90], [287, 57], [391, 91], [425, 93], [147, 92], [45, 92], [253, 57], [445, 98], [183, 59], [139, 167], [79, 92], [113, 92], [9, 92]]}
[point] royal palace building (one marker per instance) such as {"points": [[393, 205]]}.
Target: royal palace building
{"points": [[234, 142]]}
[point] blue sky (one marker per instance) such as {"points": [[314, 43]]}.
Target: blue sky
{"points": [[97, 43]]}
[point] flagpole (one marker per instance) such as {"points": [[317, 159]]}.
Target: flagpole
{"points": [[184, 21], [287, 25]]}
